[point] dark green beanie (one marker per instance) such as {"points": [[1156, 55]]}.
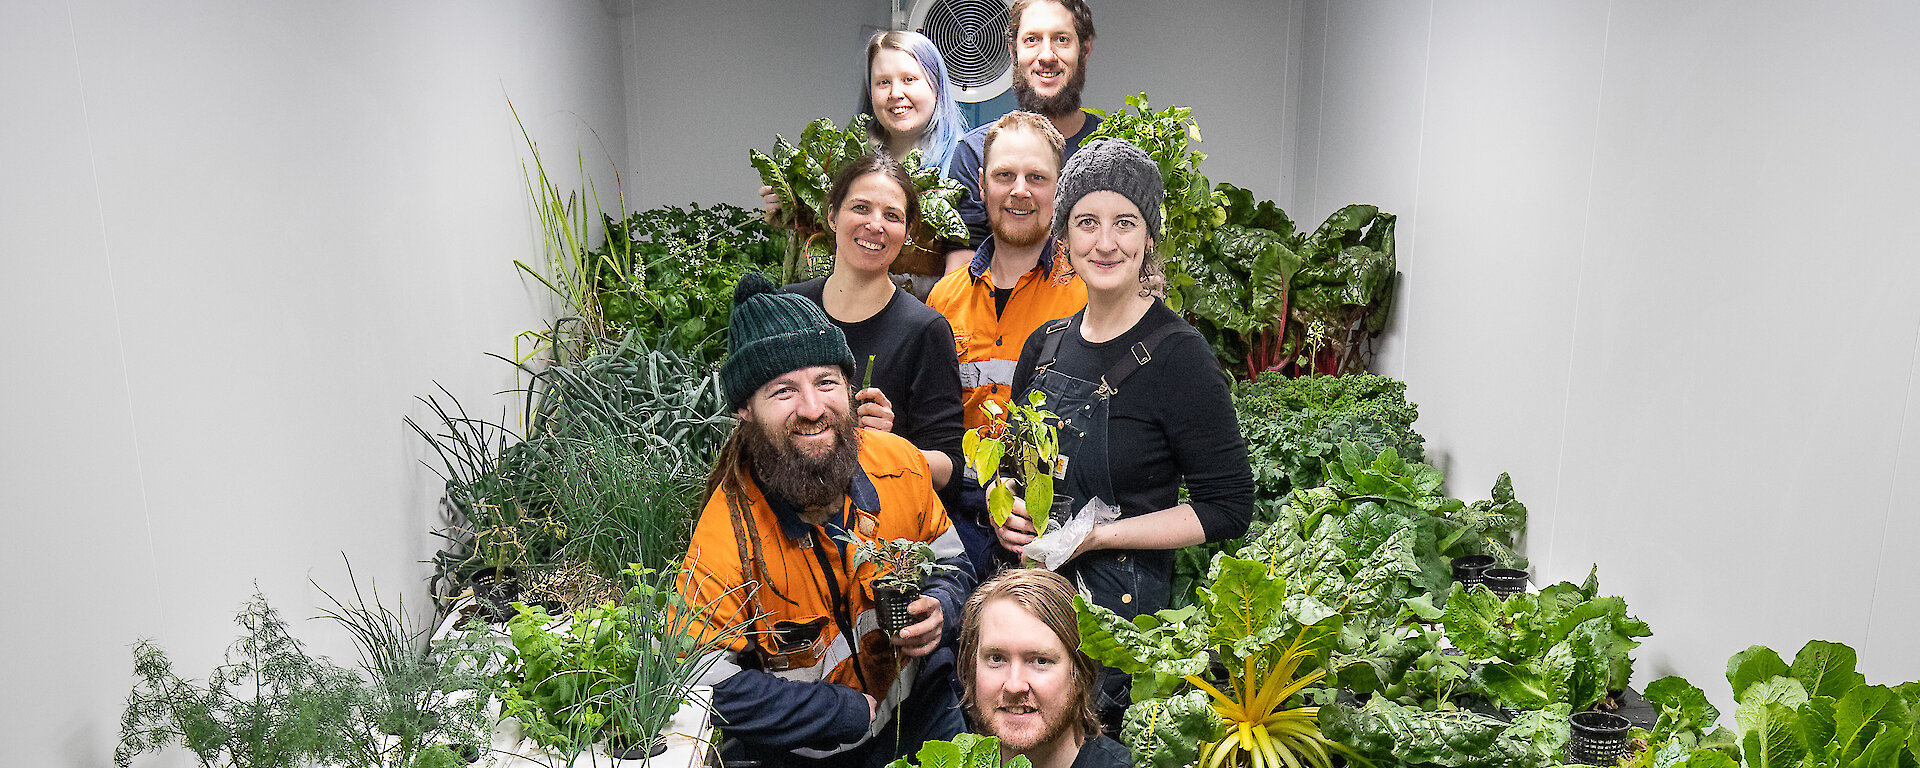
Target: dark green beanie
{"points": [[772, 333]]}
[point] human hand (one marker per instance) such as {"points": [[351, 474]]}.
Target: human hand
{"points": [[873, 707], [876, 411], [770, 204], [920, 638], [1017, 531]]}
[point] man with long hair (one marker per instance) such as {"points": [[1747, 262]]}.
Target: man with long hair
{"points": [[1026, 681], [797, 489]]}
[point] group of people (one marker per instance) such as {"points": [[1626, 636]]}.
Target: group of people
{"points": [[1051, 295]]}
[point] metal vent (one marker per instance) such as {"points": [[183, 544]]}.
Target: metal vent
{"points": [[971, 36]]}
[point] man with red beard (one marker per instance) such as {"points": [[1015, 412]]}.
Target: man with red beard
{"points": [[1013, 286], [1026, 681], [1049, 41], [814, 680]]}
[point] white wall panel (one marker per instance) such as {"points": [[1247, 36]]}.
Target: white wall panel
{"points": [[245, 236], [1651, 274], [1231, 61], [708, 81]]}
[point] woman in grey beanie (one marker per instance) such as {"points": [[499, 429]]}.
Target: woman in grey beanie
{"points": [[1144, 405]]}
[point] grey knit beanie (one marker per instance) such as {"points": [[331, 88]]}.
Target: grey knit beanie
{"points": [[771, 333], [1112, 165]]}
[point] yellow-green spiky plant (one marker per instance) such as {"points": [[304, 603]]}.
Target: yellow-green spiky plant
{"points": [[1256, 717]]}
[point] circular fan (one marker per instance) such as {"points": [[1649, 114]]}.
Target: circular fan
{"points": [[972, 37]]}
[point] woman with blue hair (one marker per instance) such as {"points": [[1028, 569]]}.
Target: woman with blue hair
{"points": [[910, 99], [911, 105]]}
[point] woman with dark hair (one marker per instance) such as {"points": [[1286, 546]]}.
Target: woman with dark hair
{"points": [[903, 347], [1144, 405]]}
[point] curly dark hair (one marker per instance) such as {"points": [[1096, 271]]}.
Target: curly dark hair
{"points": [[1082, 19]]}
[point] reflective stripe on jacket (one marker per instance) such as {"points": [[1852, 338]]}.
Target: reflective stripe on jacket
{"points": [[892, 499], [988, 342]]}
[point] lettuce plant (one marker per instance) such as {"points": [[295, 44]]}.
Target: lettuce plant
{"points": [[1568, 645]]}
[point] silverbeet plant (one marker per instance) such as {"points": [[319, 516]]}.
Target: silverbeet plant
{"points": [[802, 175]]}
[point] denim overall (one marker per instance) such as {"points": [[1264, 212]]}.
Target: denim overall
{"points": [[1111, 577]]}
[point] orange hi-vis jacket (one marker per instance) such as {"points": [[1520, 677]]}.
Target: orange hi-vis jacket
{"points": [[989, 342], [796, 635]]}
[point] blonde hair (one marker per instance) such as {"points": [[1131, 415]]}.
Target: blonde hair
{"points": [[1046, 596], [1026, 121]]}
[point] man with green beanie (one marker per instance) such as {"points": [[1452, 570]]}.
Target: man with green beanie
{"points": [[797, 488]]}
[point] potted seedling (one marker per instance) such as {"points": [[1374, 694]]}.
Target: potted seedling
{"points": [[1021, 442], [497, 585], [901, 570]]}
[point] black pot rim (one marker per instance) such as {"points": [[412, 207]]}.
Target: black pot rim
{"points": [[1471, 561], [1505, 573], [616, 749], [1608, 723]]}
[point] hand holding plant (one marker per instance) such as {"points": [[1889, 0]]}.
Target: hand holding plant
{"points": [[1031, 435]]}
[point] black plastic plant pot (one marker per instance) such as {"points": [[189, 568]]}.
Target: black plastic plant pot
{"points": [[1505, 582], [1599, 738], [619, 748], [1469, 569], [496, 589], [1062, 509], [892, 604]]}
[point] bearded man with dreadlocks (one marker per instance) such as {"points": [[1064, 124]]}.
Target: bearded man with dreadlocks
{"points": [[815, 680]]}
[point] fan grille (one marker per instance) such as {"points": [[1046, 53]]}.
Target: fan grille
{"points": [[971, 36]]}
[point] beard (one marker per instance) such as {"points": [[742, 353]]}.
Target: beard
{"points": [[1020, 743], [1033, 232], [810, 481], [1066, 102]]}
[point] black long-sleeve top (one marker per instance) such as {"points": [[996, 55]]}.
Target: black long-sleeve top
{"points": [[1172, 419]]}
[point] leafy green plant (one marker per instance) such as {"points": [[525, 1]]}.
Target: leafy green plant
{"points": [[1342, 295], [617, 670], [421, 698], [1272, 298], [1190, 210], [1295, 426], [1819, 711], [269, 705], [1446, 527], [1568, 645], [902, 564], [667, 274], [1031, 435], [1389, 733], [802, 175], [1682, 726], [1242, 275], [1270, 655], [967, 750], [1292, 428]]}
